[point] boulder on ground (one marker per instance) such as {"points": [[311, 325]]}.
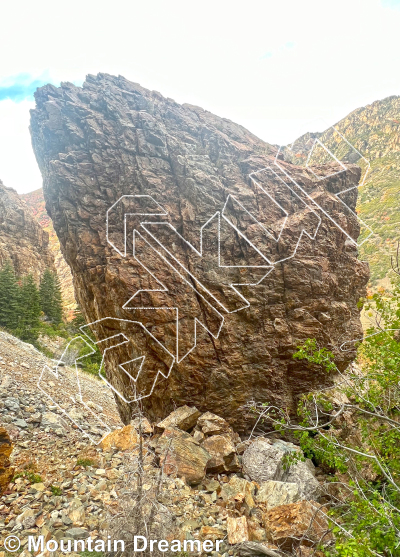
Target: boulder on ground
{"points": [[122, 439], [239, 490], [237, 530], [180, 454], [303, 522], [274, 494], [6, 447], [211, 424], [223, 454], [143, 424], [264, 460], [184, 418]]}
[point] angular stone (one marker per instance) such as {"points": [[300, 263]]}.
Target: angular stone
{"points": [[51, 420], [38, 487], [212, 485], [182, 456], [12, 404], [302, 473], [77, 533], [273, 494], [211, 424], [122, 439], [240, 490], [77, 514], [28, 513], [20, 423], [237, 530], [304, 521], [184, 418], [145, 425], [264, 460], [223, 454], [211, 533]]}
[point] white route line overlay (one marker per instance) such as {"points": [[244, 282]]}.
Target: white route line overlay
{"points": [[269, 265], [337, 195]]}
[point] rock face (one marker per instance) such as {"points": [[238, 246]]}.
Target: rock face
{"points": [[237, 256], [22, 240], [35, 202]]}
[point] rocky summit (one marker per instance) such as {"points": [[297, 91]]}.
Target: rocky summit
{"points": [[22, 239], [201, 258]]}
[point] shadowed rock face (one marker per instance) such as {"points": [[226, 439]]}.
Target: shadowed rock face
{"points": [[22, 240], [203, 222]]}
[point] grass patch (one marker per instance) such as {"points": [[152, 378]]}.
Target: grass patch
{"points": [[85, 462], [56, 490]]}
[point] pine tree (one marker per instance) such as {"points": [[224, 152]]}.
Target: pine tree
{"points": [[50, 296], [45, 292], [29, 300], [57, 311], [9, 298]]}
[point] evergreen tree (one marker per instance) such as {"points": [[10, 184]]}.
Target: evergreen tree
{"points": [[57, 311], [29, 300], [9, 298], [50, 296], [45, 292]]}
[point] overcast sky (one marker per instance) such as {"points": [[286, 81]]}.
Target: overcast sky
{"points": [[272, 66]]}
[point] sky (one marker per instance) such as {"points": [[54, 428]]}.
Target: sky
{"points": [[273, 67]]}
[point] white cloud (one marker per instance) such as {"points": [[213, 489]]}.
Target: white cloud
{"points": [[327, 58]]}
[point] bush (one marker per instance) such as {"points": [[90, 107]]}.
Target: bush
{"points": [[358, 439]]}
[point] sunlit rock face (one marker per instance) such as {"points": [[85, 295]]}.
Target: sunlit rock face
{"points": [[161, 209], [22, 240]]}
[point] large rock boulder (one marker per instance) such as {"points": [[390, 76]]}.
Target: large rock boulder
{"points": [[236, 258], [304, 522], [264, 460], [182, 456]]}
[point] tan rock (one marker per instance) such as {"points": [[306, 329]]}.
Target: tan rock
{"points": [[273, 494], [223, 454], [286, 525], [212, 533], [6, 447], [145, 425], [122, 439], [256, 531], [211, 424], [39, 487], [28, 513], [184, 418], [77, 515], [181, 455], [240, 490], [113, 474], [237, 530]]}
